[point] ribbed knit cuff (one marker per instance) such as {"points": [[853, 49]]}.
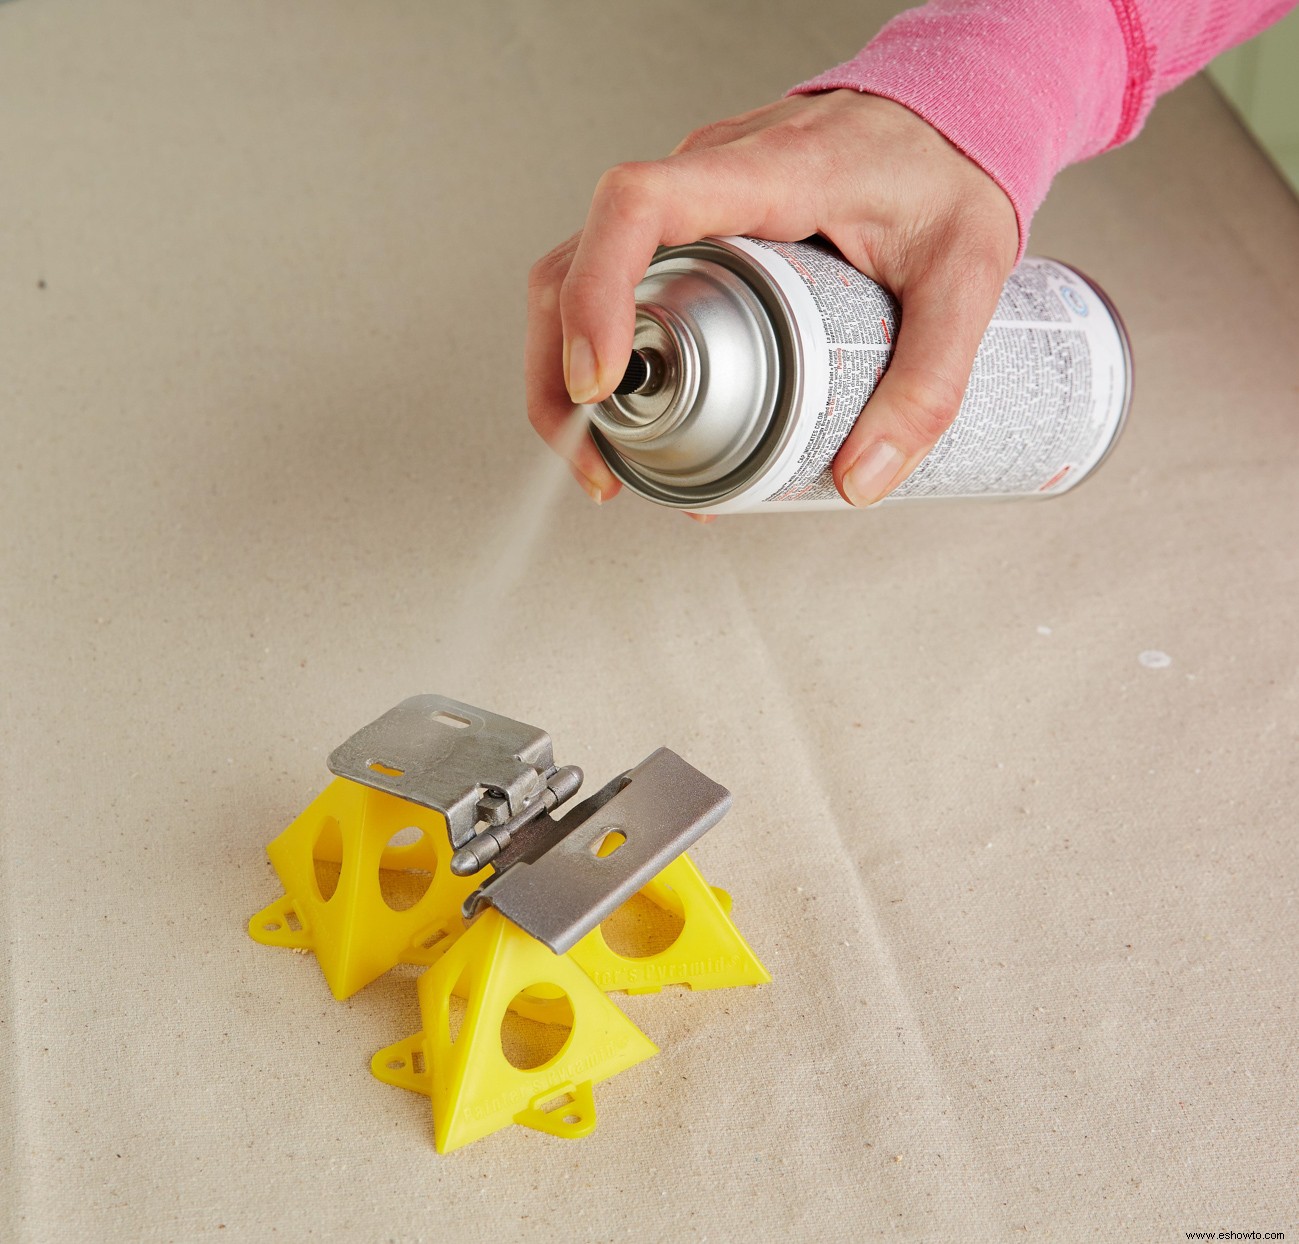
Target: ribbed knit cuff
{"points": [[1021, 87]]}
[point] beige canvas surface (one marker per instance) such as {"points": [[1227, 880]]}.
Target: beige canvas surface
{"points": [[1030, 906]]}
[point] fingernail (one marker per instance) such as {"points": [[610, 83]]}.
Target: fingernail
{"points": [[589, 487], [870, 476], [579, 370]]}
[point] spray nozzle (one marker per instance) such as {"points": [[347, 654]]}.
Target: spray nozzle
{"points": [[644, 373]]}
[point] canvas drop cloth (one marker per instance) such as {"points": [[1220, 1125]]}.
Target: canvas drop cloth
{"points": [[1029, 904]]}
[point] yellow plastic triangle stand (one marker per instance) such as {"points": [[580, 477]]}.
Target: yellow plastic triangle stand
{"points": [[476, 1089], [708, 953], [358, 925]]}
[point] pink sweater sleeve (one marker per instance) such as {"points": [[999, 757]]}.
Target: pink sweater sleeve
{"points": [[1024, 87]]}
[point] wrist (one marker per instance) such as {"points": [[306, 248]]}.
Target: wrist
{"points": [[1021, 91]]}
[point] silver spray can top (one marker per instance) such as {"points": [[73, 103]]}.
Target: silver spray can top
{"points": [[703, 390]]}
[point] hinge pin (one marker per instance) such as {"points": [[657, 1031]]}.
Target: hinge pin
{"points": [[485, 847]]}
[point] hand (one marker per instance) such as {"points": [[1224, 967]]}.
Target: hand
{"points": [[898, 200]]}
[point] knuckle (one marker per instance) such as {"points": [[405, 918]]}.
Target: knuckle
{"points": [[627, 189], [550, 269], [694, 140], [580, 287], [711, 135], [926, 404]]}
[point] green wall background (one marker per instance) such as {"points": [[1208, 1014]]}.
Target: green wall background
{"points": [[1260, 80]]}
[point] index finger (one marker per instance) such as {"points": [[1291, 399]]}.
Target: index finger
{"points": [[636, 209]]}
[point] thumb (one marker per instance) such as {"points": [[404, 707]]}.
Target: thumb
{"points": [[944, 316]]}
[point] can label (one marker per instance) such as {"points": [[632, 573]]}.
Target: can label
{"points": [[1046, 397]]}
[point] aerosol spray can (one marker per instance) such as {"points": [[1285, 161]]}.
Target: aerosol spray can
{"points": [[752, 360]]}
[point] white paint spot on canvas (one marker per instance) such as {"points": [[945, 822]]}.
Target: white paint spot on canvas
{"points": [[1043, 630], [1153, 659]]}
